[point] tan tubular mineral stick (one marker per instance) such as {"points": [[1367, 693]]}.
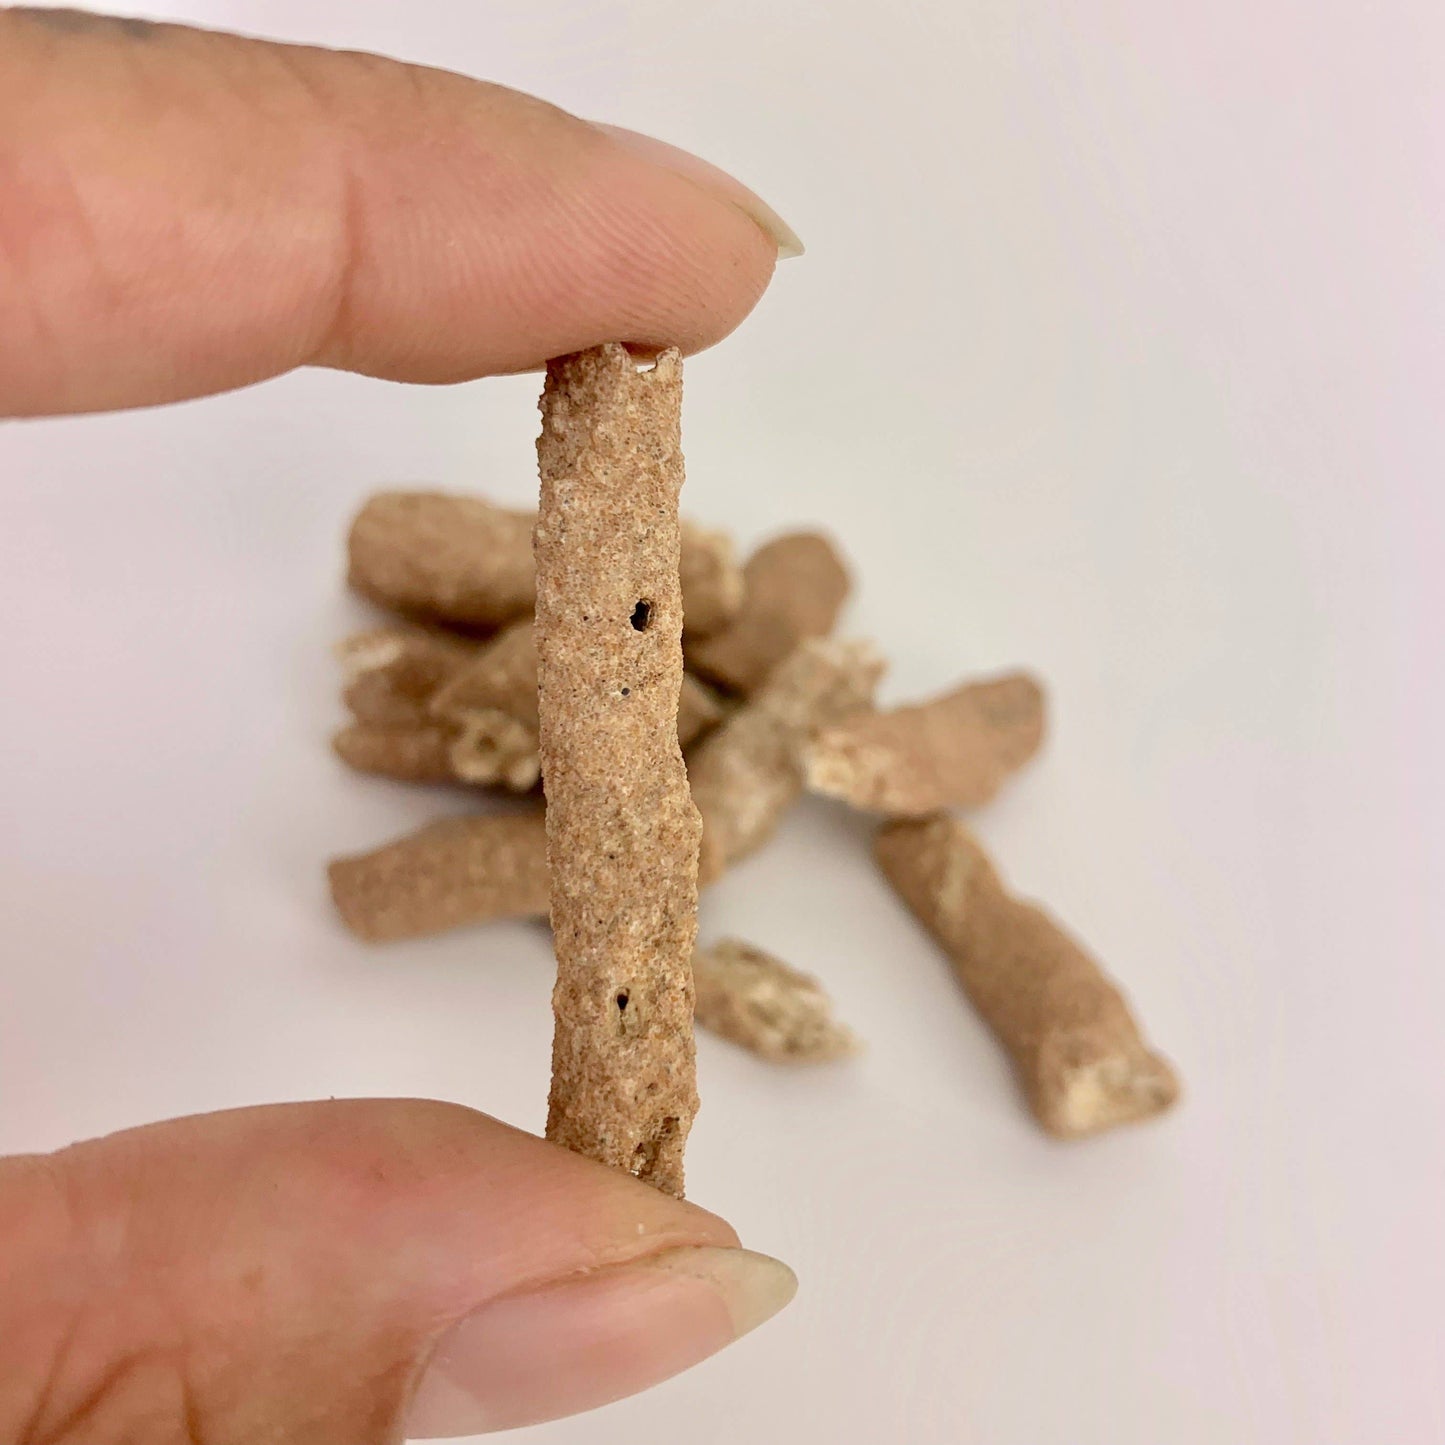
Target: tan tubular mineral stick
{"points": [[444, 557], [622, 831], [745, 774], [493, 703], [793, 589], [409, 754], [953, 751], [466, 562], [759, 1003], [749, 772], [451, 872], [1074, 1044]]}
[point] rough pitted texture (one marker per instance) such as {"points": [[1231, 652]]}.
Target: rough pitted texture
{"points": [[1074, 1045], [745, 775], [953, 751], [462, 560], [392, 673], [622, 831], [749, 772], [757, 1001], [438, 555], [455, 871], [793, 589], [411, 754]]}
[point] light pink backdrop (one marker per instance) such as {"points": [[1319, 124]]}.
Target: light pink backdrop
{"points": [[1118, 353]]}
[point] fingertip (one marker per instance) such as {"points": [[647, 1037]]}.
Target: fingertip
{"points": [[712, 179], [323, 1249], [574, 1344], [201, 211]]}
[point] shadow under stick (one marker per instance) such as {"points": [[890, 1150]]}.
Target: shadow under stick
{"points": [[622, 831]]}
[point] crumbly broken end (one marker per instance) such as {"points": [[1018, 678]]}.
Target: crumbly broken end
{"points": [[955, 750], [1065, 1025], [749, 772], [794, 588], [757, 1001], [711, 578], [1092, 1085], [450, 558], [493, 747], [622, 832], [452, 872], [409, 754]]}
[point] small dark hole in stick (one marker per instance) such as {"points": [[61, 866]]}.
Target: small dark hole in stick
{"points": [[646, 1153], [622, 1001], [626, 692], [641, 616]]}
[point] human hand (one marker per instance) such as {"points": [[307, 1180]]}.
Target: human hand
{"points": [[181, 213]]}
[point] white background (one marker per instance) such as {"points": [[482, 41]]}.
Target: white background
{"points": [[1117, 353]]}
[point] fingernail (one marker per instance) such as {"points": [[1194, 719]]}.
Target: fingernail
{"points": [[711, 178], [593, 1338]]}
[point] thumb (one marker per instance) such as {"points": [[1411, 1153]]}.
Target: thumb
{"points": [[345, 1273]]}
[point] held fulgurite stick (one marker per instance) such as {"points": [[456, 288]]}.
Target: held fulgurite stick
{"points": [[746, 774], [622, 831]]}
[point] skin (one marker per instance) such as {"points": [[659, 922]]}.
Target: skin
{"points": [[184, 213], [187, 212]]}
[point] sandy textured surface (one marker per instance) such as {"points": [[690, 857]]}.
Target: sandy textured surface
{"points": [[452, 558], [794, 588], [760, 1003], [749, 772], [622, 831], [1074, 1044], [951, 751], [455, 871]]}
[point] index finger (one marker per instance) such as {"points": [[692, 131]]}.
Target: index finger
{"points": [[184, 212]]}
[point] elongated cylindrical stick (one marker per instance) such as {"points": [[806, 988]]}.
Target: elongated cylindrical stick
{"points": [[458, 870], [759, 1003], [1074, 1044], [622, 831], [793, 589], [467, 562], [409, 754], [440, 556], [747, 773], [953, 751]]}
